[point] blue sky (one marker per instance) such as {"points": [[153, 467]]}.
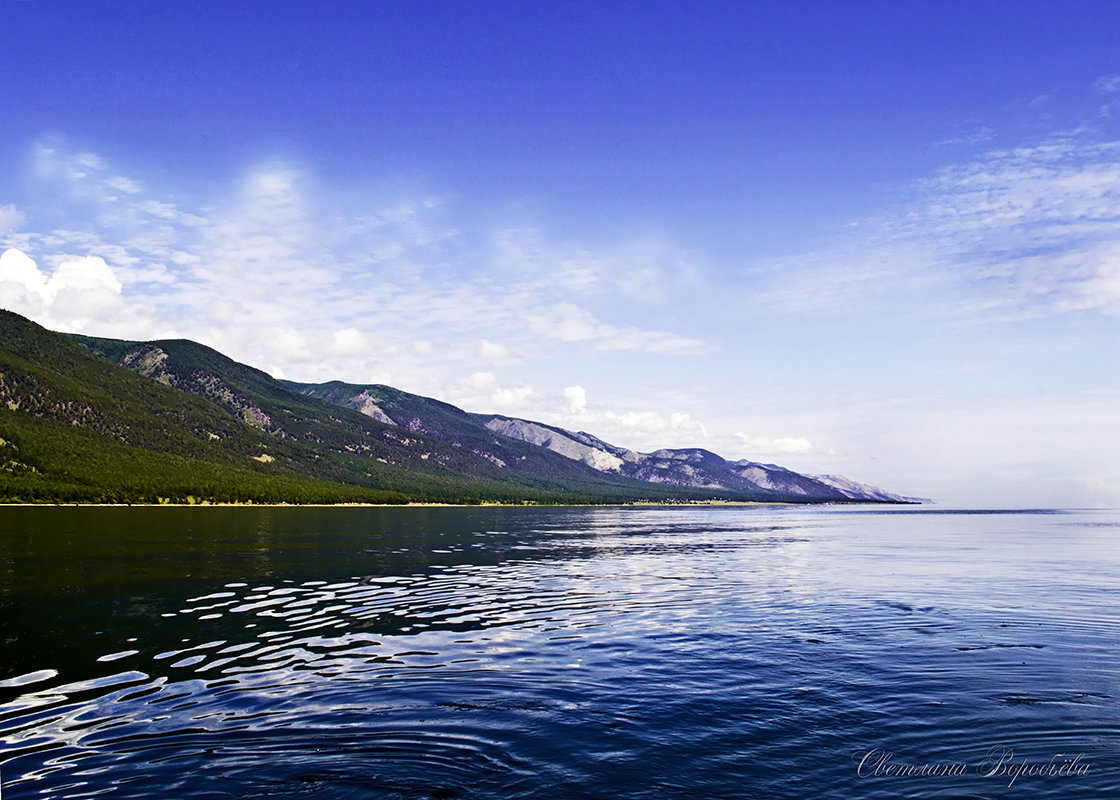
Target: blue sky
{"points": [[876, 239]]}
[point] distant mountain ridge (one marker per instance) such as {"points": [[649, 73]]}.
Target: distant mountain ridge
{"points": [[690, 467], [697, 467], [86, 419]]}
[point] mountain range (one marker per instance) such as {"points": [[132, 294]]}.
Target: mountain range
{"points": [[86, 419]]}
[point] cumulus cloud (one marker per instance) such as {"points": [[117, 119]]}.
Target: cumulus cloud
{"points": [[19, 276], [348, 342], [513, 398], [83, 289], [679, 420], [79, 292], [577, 399], [639, 420], [480, 381], [482, 392]]}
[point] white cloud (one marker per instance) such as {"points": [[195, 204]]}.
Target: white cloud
{"points": [[388, 270], [645, 341], [494, 351], [1028, 231], [124, 185], [289, 342], [19, 276], [1107, 84], [84, 291], [681, 421], [649, 270], [480, 381], [639, 420], [1100, 291], [514, 398], [668, 427], [766, 446], [577, 399], [10, 218], [89, 274], [348, 342], [974, 137], [482, 392], [568, 322], [83, 176], [78, 293]]}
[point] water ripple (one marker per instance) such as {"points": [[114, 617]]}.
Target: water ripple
{"points": [[585, 653]]}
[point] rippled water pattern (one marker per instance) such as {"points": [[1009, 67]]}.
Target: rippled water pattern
{"points": [[712, 652]]}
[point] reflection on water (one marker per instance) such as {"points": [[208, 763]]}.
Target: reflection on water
{"points": [[556, 652]]}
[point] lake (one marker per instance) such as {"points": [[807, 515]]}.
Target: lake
{"points": [[695, 652]]}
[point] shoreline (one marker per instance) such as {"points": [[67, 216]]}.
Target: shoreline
{"points": [[637, 504]]}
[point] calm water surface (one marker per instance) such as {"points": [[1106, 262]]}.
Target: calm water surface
{"points": [[718, 652]]}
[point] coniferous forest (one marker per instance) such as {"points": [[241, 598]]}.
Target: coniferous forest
{"points": [[177, 422]]}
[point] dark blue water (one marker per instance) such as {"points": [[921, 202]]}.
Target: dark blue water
{"points": [[706, 652]]}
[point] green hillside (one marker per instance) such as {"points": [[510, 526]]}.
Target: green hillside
{"points": [[101, 420], [346, 442], [75, 427]]}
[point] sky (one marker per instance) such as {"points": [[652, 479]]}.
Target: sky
{"points": [[875, 239]]}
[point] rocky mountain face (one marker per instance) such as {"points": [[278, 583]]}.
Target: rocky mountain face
{"points": [[863, 491], [580, 447], [693, 467], [452, 426]]}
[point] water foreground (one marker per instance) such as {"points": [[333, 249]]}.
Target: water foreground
{"points": [[718, 652]]}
